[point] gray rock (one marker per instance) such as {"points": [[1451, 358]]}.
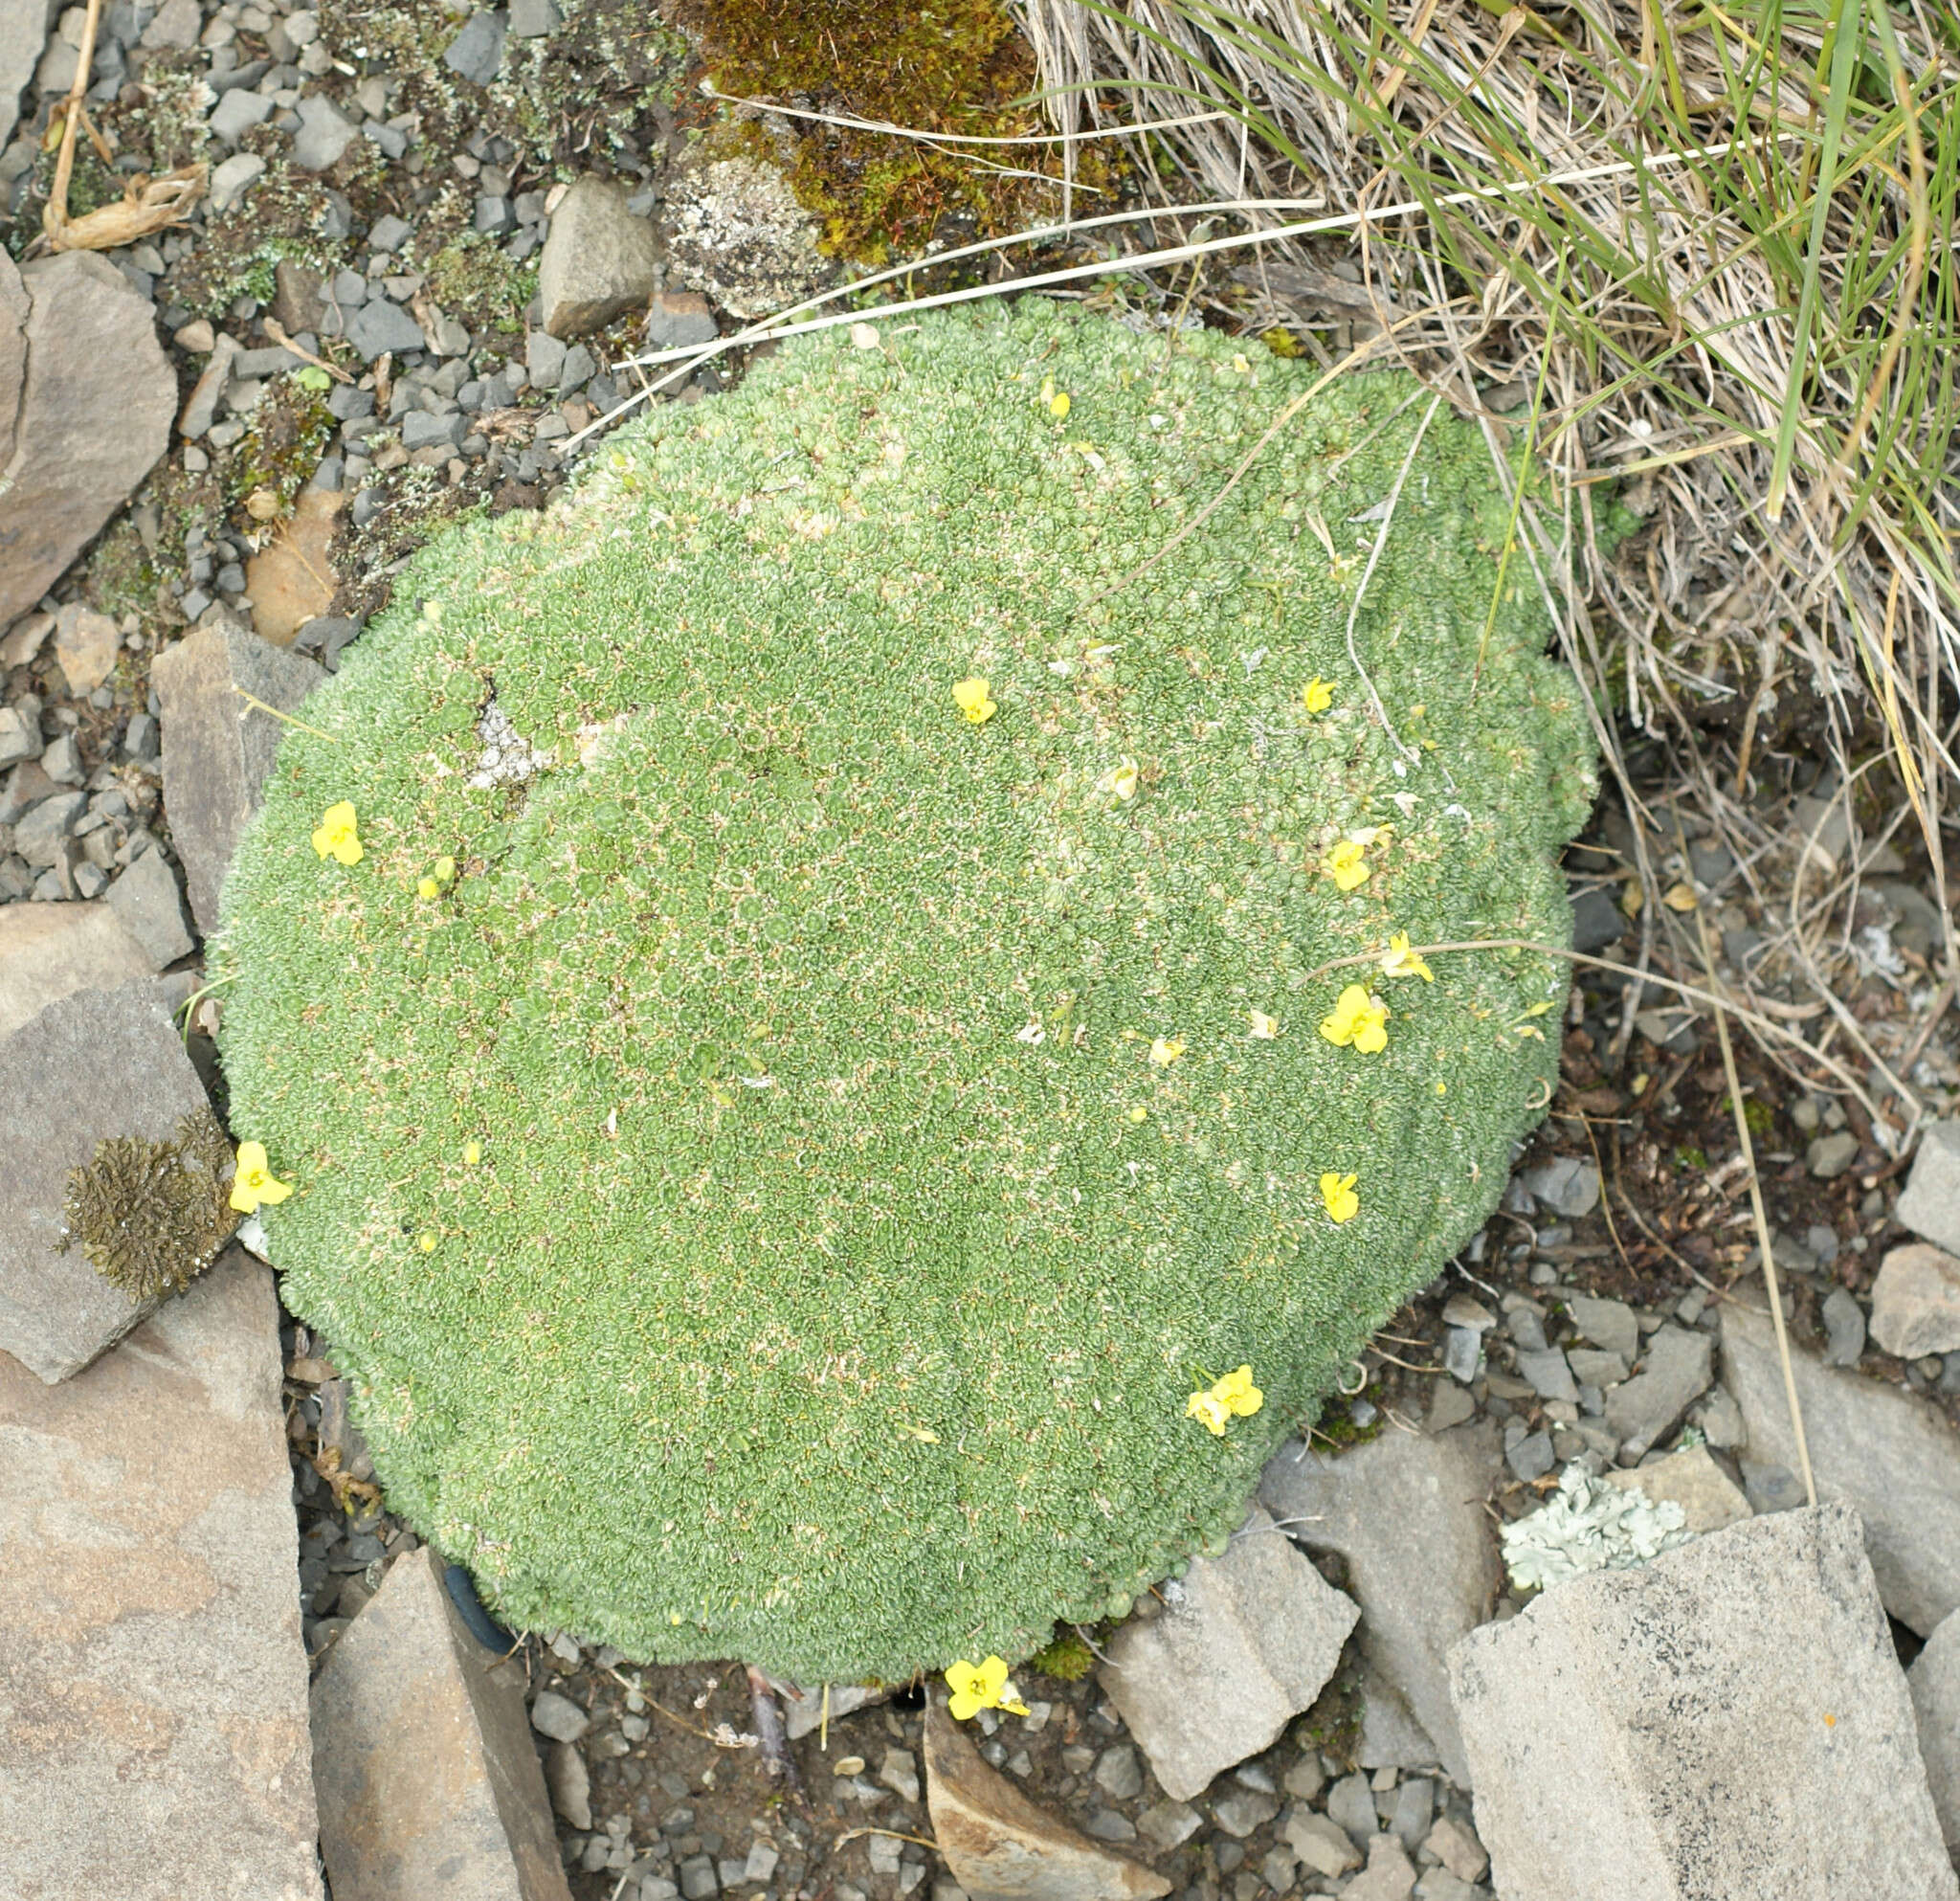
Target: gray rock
{"points": [[533, 19], [94, 1065], [558, 1717], [1351, 1803], [1591, 1366], [477, 53], [1772, 1487], [679, 319], [177, 24], [1608, 1324], [543, 360], [1526, 1326], [698, 1879], [201, 406], [1243, 1813], [1676, 1368], [1406, 1514], [217, 747], [1930, 1205], [1105, 1825], [150, 906], [569, 1782], [427, 1778], [389, 233], [1830, 1155], [1390, 1874], [324, 134], [1248, 1644], [1118, 1773], [379, 326], [1566, 1185], [20, 736], [1888, 1453], [1549, 1376], [158, 1742], [804, 1710], [1000, 1846], [49, 952], [1414, 1808], [40, 836], [1459, 1850], [1843, 1328], [1322, 1842], [233, 177], [23, 33], [1167, 1824], [62, 761], [899, 1772], [599, 260], [237, 112], [96, 396], [422, 431], [1934, 1680], [1666, 1691], [1692, 1480], [1531, 1457], [1462, 1354], [1915, 1301], [1391, 1736]]}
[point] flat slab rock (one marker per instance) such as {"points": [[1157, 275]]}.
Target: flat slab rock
{"points": [[218, 747], [153, 1741], [1246, 1642], [1000, 1846], [49, 952], [422, 1756], [1735, 1714], [1934, 1680], [1888, 1453], [96, 1063], [1404, 1512]]}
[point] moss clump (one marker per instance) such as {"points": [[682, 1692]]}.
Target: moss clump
{"points": [[1067, 1659], [948, 66], [479, 286], [835, 1262], [152, 1216]]}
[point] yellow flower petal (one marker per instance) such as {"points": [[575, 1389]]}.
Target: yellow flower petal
{"points": [[1317, 695], [1265, 1028], [338, 835], [973, 698], [1337, 1192], [473, 1153], [1165, 1051], [1400, 961], [427, 888]]}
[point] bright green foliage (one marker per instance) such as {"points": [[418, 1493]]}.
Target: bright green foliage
{"points": [[821, 1295]]}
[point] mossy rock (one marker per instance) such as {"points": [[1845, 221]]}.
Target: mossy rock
{"points": [[837, 1262]]}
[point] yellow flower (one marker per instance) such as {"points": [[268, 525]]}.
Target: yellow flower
{"points": [[972, 698], [1165, 1051], [1263, 1027], [1357, 1018], [1337, 1191], [1317, 695], [255, 1183], [977, 1687], [1056, 399], [1346, 864], [1121, 780], [473, 1154], [1400, 961], [427, 888], [337, 836], [426, 1241], [1138, 1113], [1235, 1396]]}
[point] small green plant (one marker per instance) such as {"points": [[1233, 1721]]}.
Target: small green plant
{"points": [[865, 1071], [1068, 1658], [152, 1216]]}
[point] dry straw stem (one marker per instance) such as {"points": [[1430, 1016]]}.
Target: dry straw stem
{"points": [[1751, 322]]}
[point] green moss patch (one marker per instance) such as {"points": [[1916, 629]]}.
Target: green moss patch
{"points": [[778, 1198]]}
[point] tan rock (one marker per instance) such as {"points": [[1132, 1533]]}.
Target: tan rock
{"points": [[25, 637], [1456, 1848], [1916, 1301], [46, 951], [1693, 1481], [1390, 1874], [423, 1761], [1320, 1843], [1000, 1846], [86, 644], [153, 1737], [293, 581]]}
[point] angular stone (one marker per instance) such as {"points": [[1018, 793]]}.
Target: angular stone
{"points": [[1566, 1185], [1248, 1644], [570, 1783], [558, 1717], [1391, 1736], [155, 1747], [1916, 1301], [324, 134], [23, 33], [1549, 1376], [1934, 1680], [598, 262], [218, 747], [428, 1781], [86, 644], [1888, 1453], [49, 952], [1405, 1513], [1608, 1324], [380, 327], [678, 320], [1930, 1205], [477, 52], [147, 902], [1000, 1846], [98, 1062], [1458, 1849], [1844, 1327], [1676, 1367], [805, 1710], [1320, 1843], [1692, 1480], [1731, 1718], [1390, 1874], [95, 404]]}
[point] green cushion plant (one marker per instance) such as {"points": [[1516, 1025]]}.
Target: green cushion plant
{"points": [[778, 1146]]}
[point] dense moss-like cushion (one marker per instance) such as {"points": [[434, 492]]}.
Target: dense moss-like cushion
{"points": [[873, 1148]]}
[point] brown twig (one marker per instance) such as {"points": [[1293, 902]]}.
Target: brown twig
{"points": [[775, 1745]]}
